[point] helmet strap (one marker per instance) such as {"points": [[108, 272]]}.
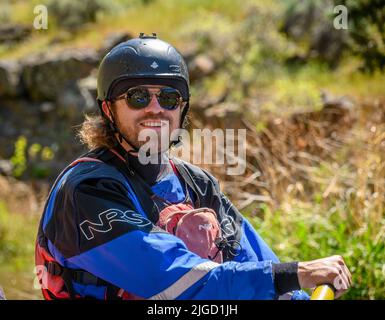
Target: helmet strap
{"points": [[184, 114], [115, 129], [175, 143]]}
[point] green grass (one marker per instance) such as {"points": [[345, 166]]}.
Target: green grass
{"points": [[304, 231], [298, 89], [342, 81], [17, 239], [130, 16], [345, 215]]}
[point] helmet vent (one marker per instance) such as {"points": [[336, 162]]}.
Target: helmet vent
{"points": [[142, 35]]}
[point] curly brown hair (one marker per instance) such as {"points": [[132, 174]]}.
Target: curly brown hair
{"points": [[95, 132]]}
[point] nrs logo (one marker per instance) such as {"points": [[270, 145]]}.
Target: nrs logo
{"points": [[106, 218], [206, 226]]}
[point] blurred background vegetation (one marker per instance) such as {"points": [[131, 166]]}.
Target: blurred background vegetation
{"points": [[311, 97]]}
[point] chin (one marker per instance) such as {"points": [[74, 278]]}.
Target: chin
{"points": [[154, 148]]}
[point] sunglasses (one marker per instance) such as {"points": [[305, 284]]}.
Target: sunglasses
{"points": [[140, 97]]}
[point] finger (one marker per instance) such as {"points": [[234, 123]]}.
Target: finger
{"points": [[349, 275], [345, 281], [341, 285], [346, 271], [339, 293]]}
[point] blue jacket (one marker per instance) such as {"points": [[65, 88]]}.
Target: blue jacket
{"points": [[97, 220]]}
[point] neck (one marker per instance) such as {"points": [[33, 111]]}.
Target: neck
{"points": [[151, 172], [125, 145]]}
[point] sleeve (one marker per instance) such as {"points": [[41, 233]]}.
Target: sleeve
{"points": [[247, 244], [108, 237], [253, 248]]}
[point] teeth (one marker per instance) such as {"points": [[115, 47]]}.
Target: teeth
{"points": [[152, 124]]}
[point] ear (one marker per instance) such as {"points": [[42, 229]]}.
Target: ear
{"points": [[106, 109]]}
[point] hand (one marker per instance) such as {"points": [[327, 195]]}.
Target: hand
{"points": [[331, 270]]}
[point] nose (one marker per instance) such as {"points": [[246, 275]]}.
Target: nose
{"points": [[154, 106]]}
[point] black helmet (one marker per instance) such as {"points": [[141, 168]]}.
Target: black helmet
{"points": [[143, 60]]}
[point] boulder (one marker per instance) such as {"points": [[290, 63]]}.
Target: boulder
{"points": [[202, 65], [11, 33], [337, 102], [88, 89], [6, 168], [45, 76], [78, 98], [309, 22], [9, 78], [226, 115]]}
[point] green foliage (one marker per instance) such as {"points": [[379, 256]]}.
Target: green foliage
{"points": [[298, 95], [309, 25], [33, 150], [351, 199], [72, 15], [367, 31], [344, 214], [304, 231], [19, 160], [5, 14], [17, 238], [249, 50], [17, 244], [32, 160]]}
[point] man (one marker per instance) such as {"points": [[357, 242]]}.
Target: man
{"points": [[105, 230]]}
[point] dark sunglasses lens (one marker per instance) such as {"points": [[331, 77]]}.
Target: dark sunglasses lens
{"points": [[169, 98], [138, 98]]}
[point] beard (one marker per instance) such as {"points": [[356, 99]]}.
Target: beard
{"points": [[151, 140]]}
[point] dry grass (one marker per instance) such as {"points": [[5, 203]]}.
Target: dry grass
{"points": [[315, 186]]}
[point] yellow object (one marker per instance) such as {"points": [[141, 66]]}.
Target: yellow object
{"points": [[323, 292]]}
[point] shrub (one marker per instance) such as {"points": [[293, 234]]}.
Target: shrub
{"points": [[73, 15]]}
